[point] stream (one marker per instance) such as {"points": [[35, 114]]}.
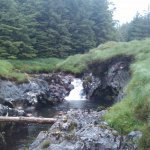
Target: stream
{"points": [[75, 100]]}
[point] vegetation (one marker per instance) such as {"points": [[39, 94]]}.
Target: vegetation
{"points": [[45, 144], [30, 28], [7, 71], [17, 69], [137, 29], [37, 65]]}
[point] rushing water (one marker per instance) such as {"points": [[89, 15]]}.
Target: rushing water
{"points": [[77, 93], [75, 100]]}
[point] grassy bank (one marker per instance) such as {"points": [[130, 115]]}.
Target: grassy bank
{"points": [[7, 71], [16, 69]]}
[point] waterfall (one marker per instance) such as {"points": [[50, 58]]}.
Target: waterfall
{"points": [[77, 93]]}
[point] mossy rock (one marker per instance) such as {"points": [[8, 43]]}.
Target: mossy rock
{"points": [[45, 144]]}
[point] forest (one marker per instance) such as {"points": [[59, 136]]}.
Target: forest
{"points": [[30, 29]]}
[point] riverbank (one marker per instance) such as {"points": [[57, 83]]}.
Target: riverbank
{"points": [[78, 129]]}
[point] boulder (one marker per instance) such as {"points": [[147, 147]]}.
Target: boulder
{"points": [[41, 89], [106, 80]]}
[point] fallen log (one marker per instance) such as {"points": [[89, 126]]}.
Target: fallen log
{"points": [[28, 120]]}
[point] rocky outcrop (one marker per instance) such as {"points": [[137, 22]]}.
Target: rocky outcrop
{"points": [[83, 130], [41, 89], [19, 99], [106, 80]]}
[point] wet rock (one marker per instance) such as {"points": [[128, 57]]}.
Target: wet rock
{"points": [[80, 132], [41, 89], [107, 79], [21, 95], [6, 111]]}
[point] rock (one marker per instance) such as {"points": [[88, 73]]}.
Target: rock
{"points": [[106, 80], [81, 133], [6, 111], [41, 89], [134, 135]]}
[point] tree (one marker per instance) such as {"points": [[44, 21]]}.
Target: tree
{"points": [[48, 28], [137, 29]]}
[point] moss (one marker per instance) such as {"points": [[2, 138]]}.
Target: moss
{"points": [[70, 136], [72, 126], [45, 144]]}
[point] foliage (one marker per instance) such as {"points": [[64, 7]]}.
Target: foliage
{"points": [[7, 72], [53, 28], [138, 28], [45, 144], [16, 69], [36, 65]]}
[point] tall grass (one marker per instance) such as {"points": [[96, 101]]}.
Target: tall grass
{"points": [[16, 69], [7, 71], [36, 65]]}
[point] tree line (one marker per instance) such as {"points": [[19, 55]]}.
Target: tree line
{"points": [[137, 29], [53, 28]]}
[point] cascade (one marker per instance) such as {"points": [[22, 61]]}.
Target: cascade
{"points": [[77, 93]]}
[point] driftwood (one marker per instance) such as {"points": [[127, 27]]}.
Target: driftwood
{"points": [[28, 120]]}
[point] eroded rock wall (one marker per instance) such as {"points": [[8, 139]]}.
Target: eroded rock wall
{"points": [[41, 89], [106, 80]]}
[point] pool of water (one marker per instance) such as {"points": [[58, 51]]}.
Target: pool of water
{"points": [[27, 133]]}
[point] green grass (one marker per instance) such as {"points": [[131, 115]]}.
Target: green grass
{"points": [[16, 69], [7, 71], [36, 65]]}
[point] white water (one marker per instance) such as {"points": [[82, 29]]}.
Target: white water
{"points": [[77, 92]]}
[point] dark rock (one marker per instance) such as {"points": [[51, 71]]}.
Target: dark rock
{"points": [[6, 111], [107, 79], [21, 95], [41, 89]]}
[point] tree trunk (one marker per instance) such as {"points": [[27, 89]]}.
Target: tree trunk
{"points": [[28, 120]]}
